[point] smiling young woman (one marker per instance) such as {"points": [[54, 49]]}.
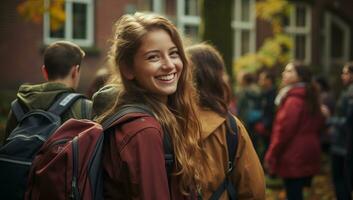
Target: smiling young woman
{"points": [[148, 55]]}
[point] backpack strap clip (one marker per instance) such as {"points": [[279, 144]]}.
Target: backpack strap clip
{"points": [[63, 103]]}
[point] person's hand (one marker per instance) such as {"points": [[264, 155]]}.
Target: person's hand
{"points": [[269, 164]]}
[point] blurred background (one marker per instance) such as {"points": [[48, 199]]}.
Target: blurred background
{"points": [[251, 35]]}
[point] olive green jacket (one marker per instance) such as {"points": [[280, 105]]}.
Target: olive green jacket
{"points": [[42, 96]]}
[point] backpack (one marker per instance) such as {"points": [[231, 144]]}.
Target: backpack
{"points": [[69, 165], [33, 129], [232, 143]]}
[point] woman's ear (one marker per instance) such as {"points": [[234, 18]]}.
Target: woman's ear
{"points": [[127, 72]]}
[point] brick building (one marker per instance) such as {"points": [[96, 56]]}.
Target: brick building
{"points": [[322, 31]]}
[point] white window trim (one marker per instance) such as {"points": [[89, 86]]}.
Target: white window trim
{"points": [[327, 60], [157, 6], [293, 30], [183, 19], [68, 25], [238, 26]]}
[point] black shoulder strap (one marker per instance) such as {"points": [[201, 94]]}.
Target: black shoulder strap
{"points": [[126, 109], [64, 102], [232, 142], [17, 109], [141, 108]]}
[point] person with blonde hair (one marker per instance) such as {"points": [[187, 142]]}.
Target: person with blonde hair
{"points": [[245, 174], [149, 56]]}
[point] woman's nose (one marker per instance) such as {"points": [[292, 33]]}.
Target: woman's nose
{"points": [[168, 63]]}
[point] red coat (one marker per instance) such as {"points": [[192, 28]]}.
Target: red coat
{"points": [[295, 141], [134, 165]]}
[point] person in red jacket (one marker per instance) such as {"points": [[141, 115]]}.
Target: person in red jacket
{"points": [[152, 69], [294, 151]]}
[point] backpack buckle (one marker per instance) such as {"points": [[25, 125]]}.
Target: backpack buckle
{"points": [[230, 166]]}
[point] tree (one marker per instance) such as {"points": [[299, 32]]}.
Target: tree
{"points": [[33, 10], [216, 20], [275, 50]]}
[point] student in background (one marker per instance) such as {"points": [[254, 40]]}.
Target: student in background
{"points": [[61, 70], [263, 127], [214, 91], [341, 137], [249, 104], [294, 151]]}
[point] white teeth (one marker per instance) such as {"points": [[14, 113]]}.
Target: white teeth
{"points": [[166, 77]]}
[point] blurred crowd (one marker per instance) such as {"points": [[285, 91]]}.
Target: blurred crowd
{"points": [[295, 119]]}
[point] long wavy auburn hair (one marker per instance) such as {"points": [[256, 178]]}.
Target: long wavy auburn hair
{"points": [[179, 114]]}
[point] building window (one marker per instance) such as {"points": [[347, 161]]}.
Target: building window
{"points": [[78, 25], [244, 21], [188, 19], [336, 41], [298, 25]]}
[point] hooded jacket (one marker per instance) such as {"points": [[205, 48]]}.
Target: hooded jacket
{"points": [[248, 175], [42, 96]]}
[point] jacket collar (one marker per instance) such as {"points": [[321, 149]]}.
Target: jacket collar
{"points": [[210, 121]]}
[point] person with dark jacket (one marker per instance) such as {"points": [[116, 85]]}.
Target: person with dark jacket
{"points": [[61, 69], [294, 151], [263, 127], [214, 91], [341, 137]]}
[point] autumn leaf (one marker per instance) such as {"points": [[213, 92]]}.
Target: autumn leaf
{"points": [[33, 11]]}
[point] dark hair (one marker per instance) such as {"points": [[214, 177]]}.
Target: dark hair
{"points": [[323, 83], [305, 76], [60, 57], [210, 76], [269, 74], [248, 78]]}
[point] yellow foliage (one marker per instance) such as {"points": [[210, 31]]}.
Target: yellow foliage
{"points": [[33, 10], [248, 62], [275, 50], [270, 9], [273, 11]]}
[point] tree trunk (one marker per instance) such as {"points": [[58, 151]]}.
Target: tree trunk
{"points": [[216, 20]]}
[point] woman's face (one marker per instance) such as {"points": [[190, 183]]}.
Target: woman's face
{"points": [[157, 64], [346, 77], [289, 75]]}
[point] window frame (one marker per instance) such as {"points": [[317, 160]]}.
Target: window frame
{"points": [[183, 19], [88, 41], [327, 60], [294, 30], [239, 26]]}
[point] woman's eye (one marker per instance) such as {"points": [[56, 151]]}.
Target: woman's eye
{"points": [[152, 58], [174, 54]]}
